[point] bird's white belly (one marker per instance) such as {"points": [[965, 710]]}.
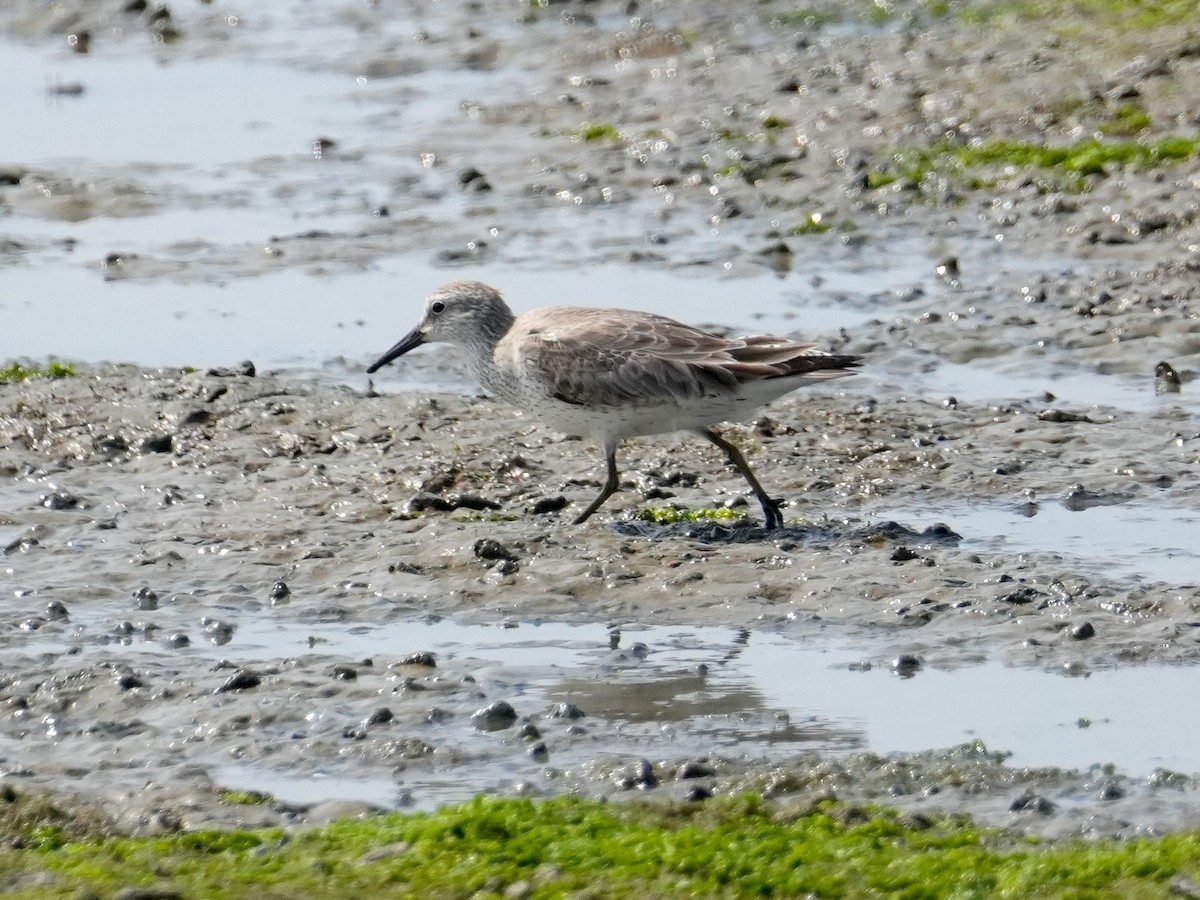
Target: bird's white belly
{"points": [[613, 423]]}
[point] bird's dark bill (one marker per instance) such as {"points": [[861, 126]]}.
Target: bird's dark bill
{"points": [[411, 341]]}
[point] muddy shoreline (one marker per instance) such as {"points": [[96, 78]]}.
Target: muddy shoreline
{"points": [[152, 518], [169, 511]]}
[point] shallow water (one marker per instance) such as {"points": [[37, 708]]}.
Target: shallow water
{"points": [[218, 155], [674, 692], [984, 383], [1151, 542]]}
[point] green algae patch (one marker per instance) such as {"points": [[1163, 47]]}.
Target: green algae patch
{"points": [[734, 847], [670, 515], [814, 223], [16, 371], [985, 163], [1064, 17], [596, 132], [1118, 15], [245, 798]]}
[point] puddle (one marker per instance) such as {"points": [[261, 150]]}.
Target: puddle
{"points": [[980, 383], [1152, 542], [286, 319], [208, 113], [668, 693]]}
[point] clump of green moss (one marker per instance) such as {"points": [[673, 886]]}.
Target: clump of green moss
{"points": [[16, 371]]}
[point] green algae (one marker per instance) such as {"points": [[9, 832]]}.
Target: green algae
{"points": [[733, 847], [814, 223], [597, 132], [16, 371], [979, 164], [670, 515], [245, 798], [1066, 17]]}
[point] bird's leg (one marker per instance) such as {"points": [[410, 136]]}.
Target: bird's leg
{"points": [[774, 518], [610, 485]]}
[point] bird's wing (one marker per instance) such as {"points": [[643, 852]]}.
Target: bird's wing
{"points": [[608, 357]]}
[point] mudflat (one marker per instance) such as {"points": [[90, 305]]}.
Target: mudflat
{"points": [[228, 578]]}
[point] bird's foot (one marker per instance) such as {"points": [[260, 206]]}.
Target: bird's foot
{"points": [[772, 512]]}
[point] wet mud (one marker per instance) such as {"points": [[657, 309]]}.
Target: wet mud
{"points": [[234, 577]]}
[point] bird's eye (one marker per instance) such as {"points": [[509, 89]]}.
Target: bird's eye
{"points": [[436, 307]]}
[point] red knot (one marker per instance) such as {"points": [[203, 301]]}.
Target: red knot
{"points": [[613, 373]]}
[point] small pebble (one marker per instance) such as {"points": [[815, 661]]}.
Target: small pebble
{"points": [[544, 505], [128, 682], [1166, 379], [494, 717], [422, 658], [59, 500], [487, 548], [381, 716], [695, 769], [567, 710], [242, 680], [145, 598], [640, 775], [1031, 802]]}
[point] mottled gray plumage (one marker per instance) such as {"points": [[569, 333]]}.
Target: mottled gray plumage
{"points": [[613, 373]]}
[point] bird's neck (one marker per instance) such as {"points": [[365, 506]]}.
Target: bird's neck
{"points": [[481, 352]]}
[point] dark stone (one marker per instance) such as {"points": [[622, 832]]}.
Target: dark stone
{"points": [[695, 769], [474, 180], [242, 680], [567, 710], [487, 548], [59, 500], [544, 505], [1021, 596], [494, 717], [640, 775], [1031, 802], [421, 658], [381, 716], [155, 443]]}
